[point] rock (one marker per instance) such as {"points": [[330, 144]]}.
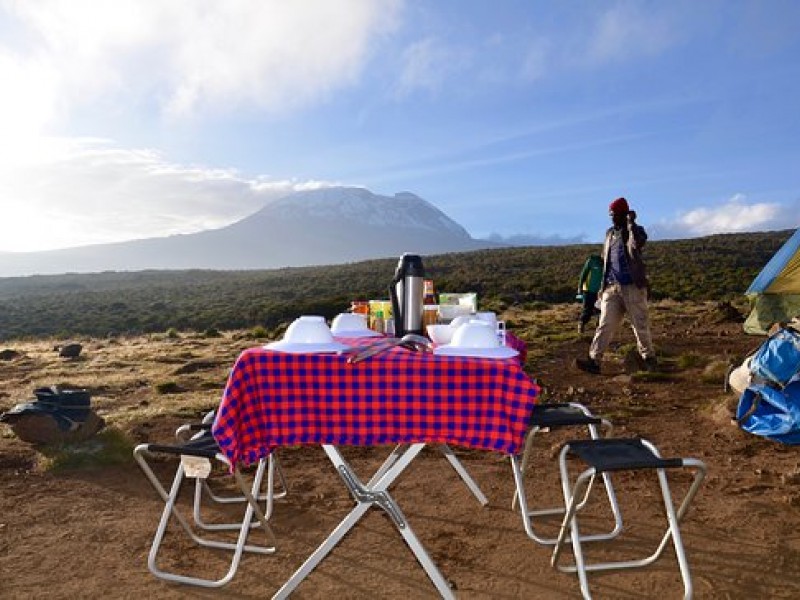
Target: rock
{"points": [[72, 350], [790, 478], [43, 429], [725, 312], [8, 354], [194, 366], [632, 362]]}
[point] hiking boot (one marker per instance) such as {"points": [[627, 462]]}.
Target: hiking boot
{"points": [[651, 364], [589, 365]]}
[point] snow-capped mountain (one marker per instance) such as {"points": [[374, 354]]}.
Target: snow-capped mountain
{"points": [[318, 227], [360, 206]]}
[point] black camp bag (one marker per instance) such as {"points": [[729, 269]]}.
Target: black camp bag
{"points": [[56, 415]]}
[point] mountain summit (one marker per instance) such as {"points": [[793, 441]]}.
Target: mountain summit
{"points": [[358, 207], [316, 227]]}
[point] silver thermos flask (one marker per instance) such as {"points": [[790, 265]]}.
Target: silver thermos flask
{"points": [[407, 291]]}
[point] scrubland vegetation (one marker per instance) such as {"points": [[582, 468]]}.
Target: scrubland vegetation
{"points": [[710, 268]]}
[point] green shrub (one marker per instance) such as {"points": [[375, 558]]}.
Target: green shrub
{"points": [[532, 278], [259, 332]]}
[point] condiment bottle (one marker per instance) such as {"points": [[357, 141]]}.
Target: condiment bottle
{"points": [[378, 323], [429, 296], [430, 308]]}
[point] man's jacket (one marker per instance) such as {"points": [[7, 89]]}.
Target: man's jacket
{"points": [[634, 238]]}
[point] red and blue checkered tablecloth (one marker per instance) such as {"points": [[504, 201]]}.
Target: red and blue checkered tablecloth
{"points": [[275, 399], [519, 345]]}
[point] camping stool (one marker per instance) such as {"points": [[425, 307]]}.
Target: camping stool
{"points": [[603, 456], [196, 456], [202, 488], [553, 416]]}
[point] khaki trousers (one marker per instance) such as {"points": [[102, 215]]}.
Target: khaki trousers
{"points": [[614, 303]]}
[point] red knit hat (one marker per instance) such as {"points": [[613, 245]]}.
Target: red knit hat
{"points": [[619, 206]]}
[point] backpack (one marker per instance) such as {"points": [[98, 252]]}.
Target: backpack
{"points": [[57, 415], [770, 405], [777, 361], [771, 413]]}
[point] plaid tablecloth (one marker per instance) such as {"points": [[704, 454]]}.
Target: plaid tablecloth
{"points": [[275, 399], [519, 345]]}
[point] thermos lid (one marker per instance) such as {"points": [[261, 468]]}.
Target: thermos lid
{"points": [[410, 265]]}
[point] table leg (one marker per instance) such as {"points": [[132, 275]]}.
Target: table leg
{"points": [[451, 458], [397, 452], [462, 472], [366, 497]]}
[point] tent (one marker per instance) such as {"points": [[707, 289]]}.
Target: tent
{"points": [[775, 293]]}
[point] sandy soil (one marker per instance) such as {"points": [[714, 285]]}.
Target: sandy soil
{"points": [[85, 532]]}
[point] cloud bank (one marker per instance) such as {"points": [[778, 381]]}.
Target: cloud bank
{"points": [[149, 63], [732, 216], [735, 215], [91, 191], [189, 57]]}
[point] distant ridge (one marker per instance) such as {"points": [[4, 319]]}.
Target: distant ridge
{"points": [[714, 268], [318, 227]]}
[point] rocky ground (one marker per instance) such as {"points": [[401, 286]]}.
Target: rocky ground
{"points": [[77, 522]]}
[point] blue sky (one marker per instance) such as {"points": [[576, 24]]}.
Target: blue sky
{"points": [[518, 118]]}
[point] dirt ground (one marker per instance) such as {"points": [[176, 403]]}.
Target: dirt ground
{"points": [[85, 532]]}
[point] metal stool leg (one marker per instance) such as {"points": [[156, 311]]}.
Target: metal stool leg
{"points": [[559, 416], [646, 456], [202, 488], [197, 431], [252, 509]]}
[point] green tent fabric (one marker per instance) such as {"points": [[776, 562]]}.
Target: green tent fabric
{"points": [[774, 294]]}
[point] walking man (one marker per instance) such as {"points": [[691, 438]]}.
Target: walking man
{"points": [[624, 288]]}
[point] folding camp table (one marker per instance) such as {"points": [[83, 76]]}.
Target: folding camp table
{"points": [[398, 398]]}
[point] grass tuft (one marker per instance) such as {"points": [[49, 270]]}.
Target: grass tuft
{"points": [[690, 360], [715, 372], [108, 448]]}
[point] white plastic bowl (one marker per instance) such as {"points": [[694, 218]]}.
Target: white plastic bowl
{"points": [[347, 322], [460, 320], [488, 317], [475, 334], [309, 333], [476, 339], [440, 334], [308, 329]]}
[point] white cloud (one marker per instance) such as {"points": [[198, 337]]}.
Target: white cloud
{"points": [[734, 215], [177, 59], [536, 59], [427, 64], [90, 191], [534, 239], [618, 33], [626, 31], [193, 56]]}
